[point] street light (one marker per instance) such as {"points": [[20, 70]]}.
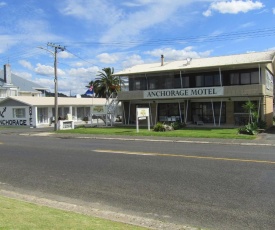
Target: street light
{"points": [[56, 48]]}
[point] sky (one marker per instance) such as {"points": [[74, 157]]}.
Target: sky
{"points": [[108, 33]]}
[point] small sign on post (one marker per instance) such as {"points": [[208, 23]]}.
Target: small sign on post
{"points": [[142, 114]]}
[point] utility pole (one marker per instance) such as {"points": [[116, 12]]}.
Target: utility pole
{"points": [[56, 49]]}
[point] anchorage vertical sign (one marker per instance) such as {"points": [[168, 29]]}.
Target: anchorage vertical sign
{"points": [[188, 92]]}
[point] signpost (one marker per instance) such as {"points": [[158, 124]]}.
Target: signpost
{"points": [[142, 114]]}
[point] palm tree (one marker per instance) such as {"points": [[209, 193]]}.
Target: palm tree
{"points": [[106, 83]]}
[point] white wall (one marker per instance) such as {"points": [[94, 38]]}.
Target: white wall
{"points": [[7, 118]]}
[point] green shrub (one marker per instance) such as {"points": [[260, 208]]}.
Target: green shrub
{"points": [[159, 127], [261, 124], [250, 129], [177, 125]]}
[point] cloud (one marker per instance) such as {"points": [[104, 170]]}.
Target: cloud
{"points": [[233, 7], [107, 58], [132, 61], [173, 54], [65, 55], [6, 42], [99, 11], [135, 21], [47, 70], [83, 72], [2, 4], [26, 64], [273, 10]]}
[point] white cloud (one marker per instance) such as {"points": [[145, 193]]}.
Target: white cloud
{"points": [[100, 11], [134, 23], [6, 42], [172, 54], [45, 82], [233, 7], [107, 58], [26, 64], [247, 25], [65, 54], [132, 61], [273, 10], [2, 4], [47, 70], [83, 72]]}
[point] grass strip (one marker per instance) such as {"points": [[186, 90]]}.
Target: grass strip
{"points": [[16, 214], [184, 133]]}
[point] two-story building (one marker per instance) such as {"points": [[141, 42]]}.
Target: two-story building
{"points": [[212, 90], [13, 85]]}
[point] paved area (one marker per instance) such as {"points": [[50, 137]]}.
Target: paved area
{"points": [[266, 138]]}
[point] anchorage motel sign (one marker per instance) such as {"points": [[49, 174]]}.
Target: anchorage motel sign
{"points": [[189, 92]]}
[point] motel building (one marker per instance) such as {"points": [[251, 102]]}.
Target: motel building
{"points": [[39, 111], [207, 91]]}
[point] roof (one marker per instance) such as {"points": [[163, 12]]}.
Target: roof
{"points": [[239, 59], [21, 83], [62, 101]]}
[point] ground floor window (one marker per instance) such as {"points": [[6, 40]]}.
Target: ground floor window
{"points": [[169, 112], [241, 115], [19, 113], [204, 111]]}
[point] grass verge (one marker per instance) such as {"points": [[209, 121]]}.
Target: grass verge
{"points": [[16, 214], [184, 133]]}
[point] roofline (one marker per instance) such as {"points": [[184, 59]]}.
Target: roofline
{"points": [[196, 68]]}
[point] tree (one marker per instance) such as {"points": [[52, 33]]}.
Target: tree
{"points": [[106, 83], [250, 107]]}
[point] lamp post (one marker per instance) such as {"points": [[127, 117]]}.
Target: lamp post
{"points": [[56, 48]]}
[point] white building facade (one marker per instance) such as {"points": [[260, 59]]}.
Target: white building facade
{"points": [[212, 89], [39, 111]]}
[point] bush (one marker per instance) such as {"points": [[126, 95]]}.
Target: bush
{"points": [[250, 129], [177, 125], [159, 127], [261, 124]]}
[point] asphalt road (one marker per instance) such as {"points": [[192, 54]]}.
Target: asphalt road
{"points": [[203, 185]]}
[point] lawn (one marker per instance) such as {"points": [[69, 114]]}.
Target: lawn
{"points": [[16, 214], [196, 132]]}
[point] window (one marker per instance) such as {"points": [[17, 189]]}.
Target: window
{"points": [[255, 77], [199, 81], [137, 83], [185, 82], [177, 81], [19, 113], [3, 93], [204, 110], [234, 78], [245, 78], [169, 82], [152, 83], [208, 80], [217, 80]]}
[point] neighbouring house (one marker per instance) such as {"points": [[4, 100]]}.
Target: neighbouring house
{"points": [[39, 111], [209, 90], [13, 85]]}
